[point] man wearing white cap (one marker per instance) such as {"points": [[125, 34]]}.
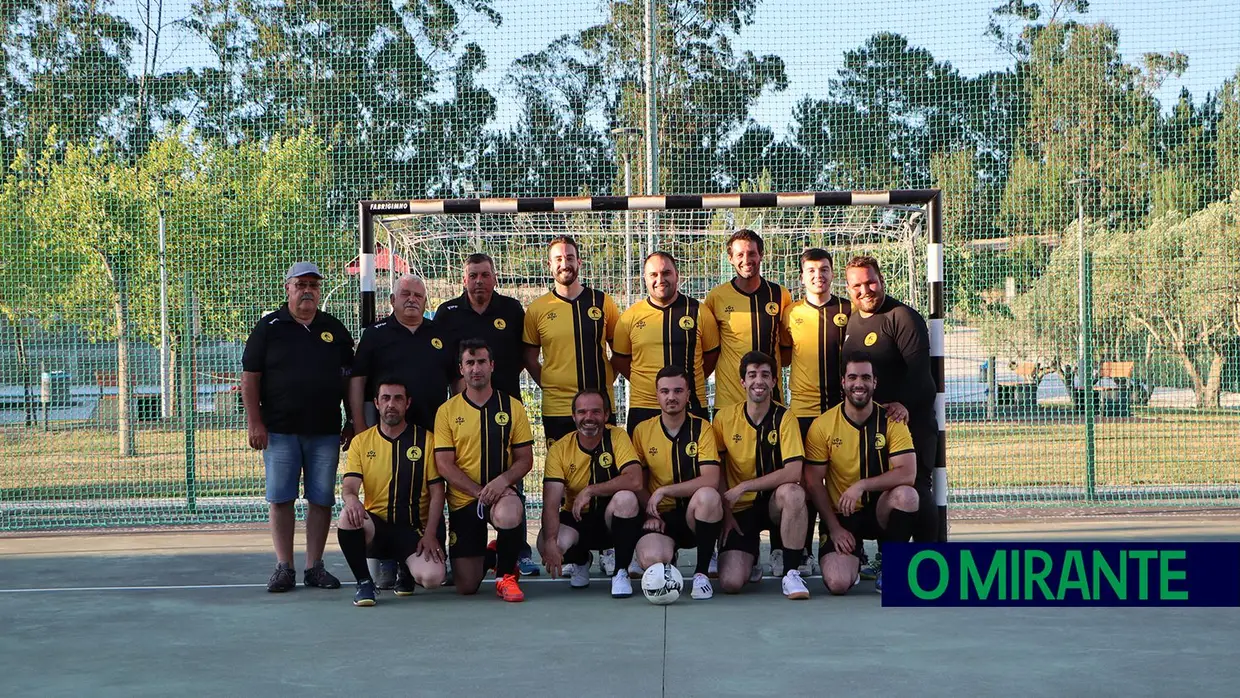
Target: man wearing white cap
{"points": [[296, 371]]}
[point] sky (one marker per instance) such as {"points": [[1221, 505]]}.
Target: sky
{"points": [[812, 36]]}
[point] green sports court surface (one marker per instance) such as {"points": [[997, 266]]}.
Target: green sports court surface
{"points": [[185, 613]]}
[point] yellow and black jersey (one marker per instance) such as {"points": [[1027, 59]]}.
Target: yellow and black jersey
{"points": [[573, 335], [747, 322], [753, 450], [656, 336], [817, 337], [853, 452], [396, 474], [670, 460], [483, 436], [577, 468]]}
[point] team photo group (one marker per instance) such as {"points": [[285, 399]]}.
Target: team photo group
{"points": [[434, 420]]}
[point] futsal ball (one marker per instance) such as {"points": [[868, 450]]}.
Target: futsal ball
{"points": [[662, 584]]}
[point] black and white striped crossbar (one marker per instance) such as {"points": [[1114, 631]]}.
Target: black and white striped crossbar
{"points": [[929, 198]]}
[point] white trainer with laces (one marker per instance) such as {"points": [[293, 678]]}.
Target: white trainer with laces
{"points": [[701, 587], [581, 576], [713, 569], [777, 562], [607, 562], [755, 573], [635, 569], [807, 565], [566, 570], [794, 586], [621, 587]]}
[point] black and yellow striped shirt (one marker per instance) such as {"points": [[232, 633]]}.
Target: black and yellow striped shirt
{"points": [[671, 460], [483, 437], [853, 452], [656, 336], [396, 474], [747, 322], [753, 450], [817, 336], [573, 335], [577, 468]]}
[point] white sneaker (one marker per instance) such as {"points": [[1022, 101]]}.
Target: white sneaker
{"points": [[777, 562], [635, 569], [755, 573], [567, 569], [621, 587], [713, 570], [581, 576], [794, 586], [607, 562], [701, 587]]}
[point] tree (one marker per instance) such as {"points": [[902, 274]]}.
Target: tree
{"points": [[1227, 141]]}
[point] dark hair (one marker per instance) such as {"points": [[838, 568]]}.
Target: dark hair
{"points": [[564, 240], [862, 261], [592, 391], [858, 357], [757, 358], [479, 258], [748, 236], [816, 254], [473, 344], [672, 371], [660, 253], [390, 380]]}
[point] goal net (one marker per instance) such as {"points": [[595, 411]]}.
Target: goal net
{"points": [[432, 238]]}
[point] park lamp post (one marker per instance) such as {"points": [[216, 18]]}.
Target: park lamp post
{"points": [[627, 134]]}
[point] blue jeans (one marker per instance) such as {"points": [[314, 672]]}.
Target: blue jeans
{"points": [[287, 456]]}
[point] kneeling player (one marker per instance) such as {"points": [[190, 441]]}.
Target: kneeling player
{"points": [[761, 441], [861, 468], [594, 471], [681, 460], [402, 515]]}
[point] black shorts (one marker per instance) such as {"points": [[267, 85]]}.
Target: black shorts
{"points": [[392, 542], [752, 522], [863, 525], [556, 428], [637, 415], [676, 527], [467, 534], [592, 533]]}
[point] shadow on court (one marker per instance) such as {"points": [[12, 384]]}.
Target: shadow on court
{"points": [[219, 639]]}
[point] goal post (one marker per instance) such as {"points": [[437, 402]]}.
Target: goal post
{"points": [[431, 237]]}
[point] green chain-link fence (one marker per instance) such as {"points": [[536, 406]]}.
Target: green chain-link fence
{"points": [[247, 131]]}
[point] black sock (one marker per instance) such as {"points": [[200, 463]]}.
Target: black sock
{"points": [[777, 538], [792, 558], [507, 545], [353, 545], [707, 535], [810, 528], [900, 526], [624, 533], [577, 555]]}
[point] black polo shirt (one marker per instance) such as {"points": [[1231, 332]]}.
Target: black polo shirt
{"points": [[500, 325], [303, 371], [424, 360], [897, 339]]}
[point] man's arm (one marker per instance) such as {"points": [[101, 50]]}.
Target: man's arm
{"points": [[251, 383], [522, 463], [903, 471], [909, 332], [353, 513], [553, 497], [623, 365], [532, 366], [630, 478], [435, 519], [709, 360], [445, 462], [357, 401], [791, 472], [816, 487]]}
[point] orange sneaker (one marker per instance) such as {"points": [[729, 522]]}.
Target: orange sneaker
{"points": [[506, 588]]}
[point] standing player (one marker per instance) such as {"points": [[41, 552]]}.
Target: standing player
{"points": [[483, 447], [666, 329], [815, 326], [897, 340], [681, 459], [748, 310], [761, 443], [861, 466], [595, 472], [401, 515]]}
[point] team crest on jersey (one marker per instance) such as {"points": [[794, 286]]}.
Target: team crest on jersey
{"points": [[686, 323], [437, 343], [639, 325], [552, 315], [501, 418], [799, 321], [729, 309], [595, 313], [841, 320], [499, 323], [606, 460], [871, 338], [836, 442], [452, 538], [691, 449], [413, 453], [880, 440], [772, 437], [327, 337], [371, 455], [772, 308], [653, 451], [736, 438], [460, 421]]}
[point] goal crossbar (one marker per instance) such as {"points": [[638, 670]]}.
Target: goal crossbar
{"points": [[929, 200]]}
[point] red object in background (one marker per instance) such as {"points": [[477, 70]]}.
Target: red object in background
{"points": [[384, 260]]}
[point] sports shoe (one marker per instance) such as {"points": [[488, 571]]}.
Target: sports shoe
{"points": [[701, 587], [567, 569], [878, 582], [794, 586], [283, 579], [581, 576], [713, 570], [755, 573], [527, 567], [807, 564], [365, 594], [386, 577], [507, 589], [318, 576], [777, 562], [635, 569], [404, 581], [607, 562], [621, 587], [874, 568]]}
